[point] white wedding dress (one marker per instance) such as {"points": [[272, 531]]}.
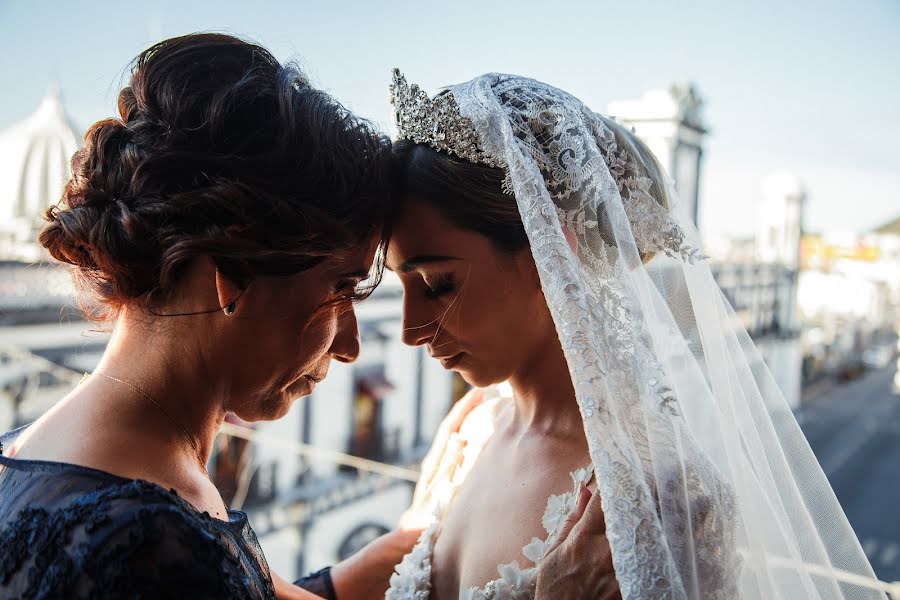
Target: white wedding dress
{"points": [[449, 466]]}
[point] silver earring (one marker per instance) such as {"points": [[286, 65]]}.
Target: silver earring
{"points": [[229, 308]]}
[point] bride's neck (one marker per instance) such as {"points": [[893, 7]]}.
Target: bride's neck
{"points": [[543, 392]]}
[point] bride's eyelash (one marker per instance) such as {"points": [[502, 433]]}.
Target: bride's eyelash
{"points": [[444, 285]]}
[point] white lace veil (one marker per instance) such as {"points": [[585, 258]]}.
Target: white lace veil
{"points": [[709, 488]]}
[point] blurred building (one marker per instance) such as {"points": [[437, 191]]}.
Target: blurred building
{"points": [[670, 123], [757, 275], [780, 220], [849, 298], [35, 155], [780, 228], [34, 166]]}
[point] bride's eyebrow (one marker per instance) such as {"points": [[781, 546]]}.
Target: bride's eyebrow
{"points": [[421, 259]]}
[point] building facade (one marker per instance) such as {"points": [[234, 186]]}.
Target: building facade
{"points": [[35, 157], [671, 123]]}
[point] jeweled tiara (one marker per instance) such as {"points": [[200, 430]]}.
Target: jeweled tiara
{"points": [[436, 122]]}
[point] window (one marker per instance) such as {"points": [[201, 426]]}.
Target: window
{"points": [[367, 434]]}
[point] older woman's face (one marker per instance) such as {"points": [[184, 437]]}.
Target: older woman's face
{"points": [[285, 332], [478, 310]]}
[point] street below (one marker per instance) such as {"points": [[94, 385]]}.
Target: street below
{"points": [[854, 430]]}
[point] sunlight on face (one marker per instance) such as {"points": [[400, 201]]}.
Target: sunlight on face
{"points": [[289, 329], [478, 310]]}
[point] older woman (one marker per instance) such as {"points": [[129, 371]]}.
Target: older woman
{"points": [[224, 223]]}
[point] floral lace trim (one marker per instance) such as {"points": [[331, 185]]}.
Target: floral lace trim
{"points": [[516, 582], [570, 171], [412, 577]]}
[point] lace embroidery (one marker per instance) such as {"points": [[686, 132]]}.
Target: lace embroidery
{"points": [[551, 135], [572, 178], [412, 577]]}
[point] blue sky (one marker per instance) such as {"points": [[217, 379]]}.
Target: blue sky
{"points": [[810, 87]]}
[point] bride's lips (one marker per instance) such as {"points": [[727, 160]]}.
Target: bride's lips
{"points": [[448, 362]]}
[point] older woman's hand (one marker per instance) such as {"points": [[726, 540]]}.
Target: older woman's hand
{"points": [[579, 564], [367, 573]]}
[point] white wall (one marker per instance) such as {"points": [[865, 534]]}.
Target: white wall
{"points": [[281, 549], [401, 370], [289, 427], [332, 413]]}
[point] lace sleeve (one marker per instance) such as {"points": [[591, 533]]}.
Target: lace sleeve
{"points": [[163, 552], [319, 583]]}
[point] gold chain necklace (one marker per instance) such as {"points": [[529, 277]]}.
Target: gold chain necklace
{"points": [[190, 438]]}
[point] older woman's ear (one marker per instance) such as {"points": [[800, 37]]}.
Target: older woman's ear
{"points": [[227, 291]]}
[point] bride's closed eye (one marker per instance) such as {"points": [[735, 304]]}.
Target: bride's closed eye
{"points": [[441, 286]]}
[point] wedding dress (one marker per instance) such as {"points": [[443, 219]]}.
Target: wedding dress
{"points": [[708, 487], [444, 471]]}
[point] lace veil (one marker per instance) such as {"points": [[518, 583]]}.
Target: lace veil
{"points": [[709, 487]]}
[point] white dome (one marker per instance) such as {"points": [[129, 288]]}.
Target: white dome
{"points": [[35, 157]]}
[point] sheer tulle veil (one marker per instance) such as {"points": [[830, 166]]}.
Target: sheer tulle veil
{"points": [[709, 487]]}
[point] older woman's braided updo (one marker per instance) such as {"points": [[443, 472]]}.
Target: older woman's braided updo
{"points": [[220, 151]]}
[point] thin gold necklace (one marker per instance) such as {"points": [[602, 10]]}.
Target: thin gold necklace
{"points": [[184, 431]]}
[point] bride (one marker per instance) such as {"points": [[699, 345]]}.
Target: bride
{"points": [[543, 257]]}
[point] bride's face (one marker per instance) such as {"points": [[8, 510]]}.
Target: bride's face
{"points": [[477, 309]]}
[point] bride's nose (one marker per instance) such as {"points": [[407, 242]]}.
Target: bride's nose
{"points": [[418, 324]]}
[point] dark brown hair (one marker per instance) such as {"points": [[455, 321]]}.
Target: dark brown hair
{"points": [[471, 195], [219, 151]]}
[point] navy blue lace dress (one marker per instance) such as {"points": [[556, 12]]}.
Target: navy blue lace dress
{"points": [[68, 531]]}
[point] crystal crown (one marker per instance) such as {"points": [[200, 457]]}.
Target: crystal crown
{"points": [[436, 122]]}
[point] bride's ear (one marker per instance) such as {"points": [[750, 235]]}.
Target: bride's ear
{"points": [[527, 269], [570, 238], [526, 260]]}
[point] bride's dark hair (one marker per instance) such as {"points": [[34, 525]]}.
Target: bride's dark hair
{"points": [[471, 195], [219, 151]]}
